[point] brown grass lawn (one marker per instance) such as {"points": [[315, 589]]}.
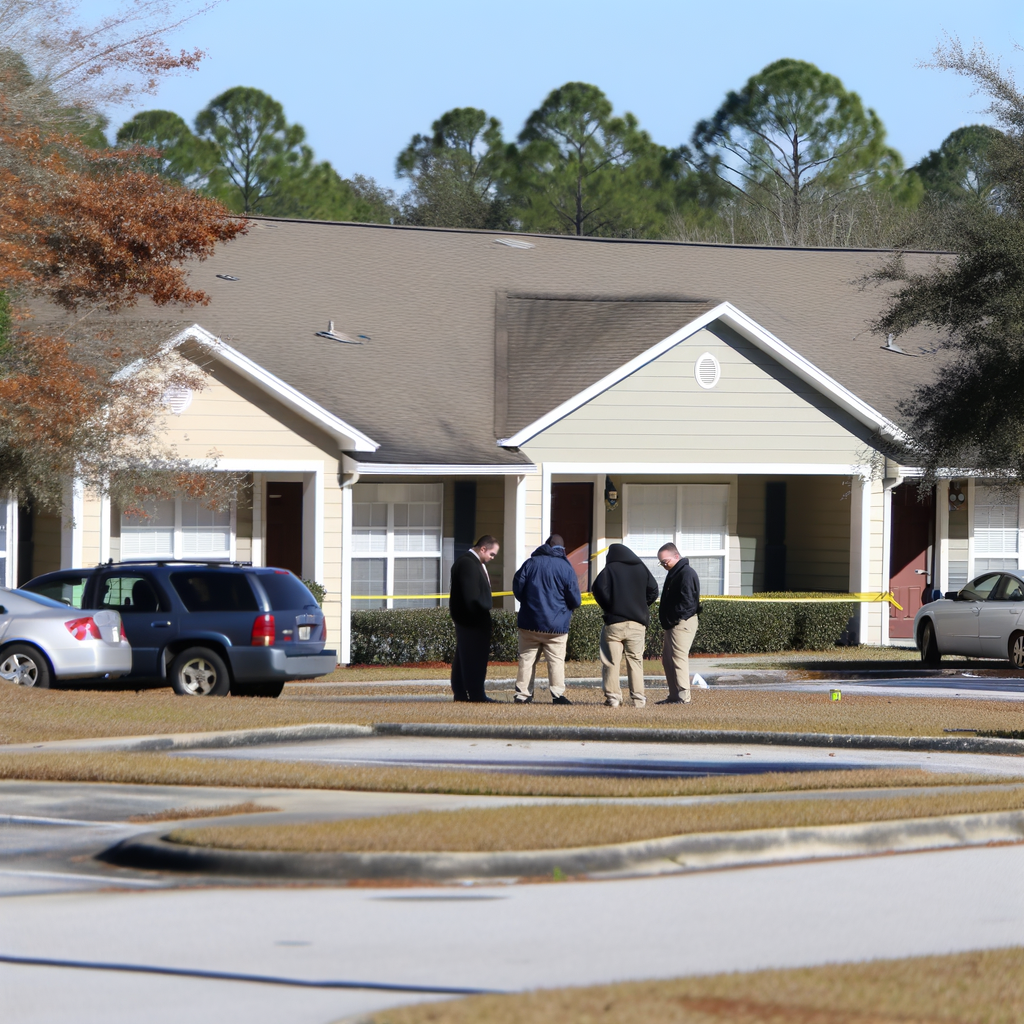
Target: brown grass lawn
{"points": [[28, 716], [555, 827], [965, 988], [161, 769]]}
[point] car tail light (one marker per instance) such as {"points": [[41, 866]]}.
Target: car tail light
{"points": [[84, 629], [263, 631], [323, 630]]}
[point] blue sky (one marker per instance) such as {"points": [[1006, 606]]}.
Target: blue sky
{"points": [[363, 79]]}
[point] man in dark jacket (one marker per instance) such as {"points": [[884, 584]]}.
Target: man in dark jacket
{"points": [[469, 604], [547, 590], [624, 589], [680, 599]]}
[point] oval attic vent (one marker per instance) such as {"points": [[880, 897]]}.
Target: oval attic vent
{"points": [[707, 371]]}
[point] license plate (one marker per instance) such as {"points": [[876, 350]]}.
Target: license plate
{"points": [[304, 632]]}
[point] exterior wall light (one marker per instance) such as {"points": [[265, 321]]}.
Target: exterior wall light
{"points": [[611, 495]]}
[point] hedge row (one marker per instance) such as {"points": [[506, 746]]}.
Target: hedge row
{"points": [[392, 637]]}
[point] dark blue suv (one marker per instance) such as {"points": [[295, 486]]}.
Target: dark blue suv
{"points": [[207, 628]]}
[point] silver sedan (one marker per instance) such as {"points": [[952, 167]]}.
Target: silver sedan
{"points": [[984, 620], [42, 640]]}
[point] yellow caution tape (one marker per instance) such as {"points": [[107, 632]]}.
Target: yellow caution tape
{"points": [[588, 598]]}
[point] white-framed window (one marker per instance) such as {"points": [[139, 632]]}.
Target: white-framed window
{"points": [[694, 517], [996, 528], [396, 544], [178, 528]]}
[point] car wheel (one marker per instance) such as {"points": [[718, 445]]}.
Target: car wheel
{"points": [[200, 672], [25, 666], [929, 645], [1016, 650], [264, 689]]}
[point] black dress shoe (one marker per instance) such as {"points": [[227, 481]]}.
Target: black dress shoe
{"points": [[483, 700], [561, 700], [523, 700]]}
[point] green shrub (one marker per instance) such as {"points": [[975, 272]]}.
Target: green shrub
{"points": [[395, 637], [318, 590]]}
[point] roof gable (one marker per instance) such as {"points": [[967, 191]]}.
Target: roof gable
{"points": [[750, 330]]}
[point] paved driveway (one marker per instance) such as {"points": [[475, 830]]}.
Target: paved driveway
{"points": [[507, 938]]}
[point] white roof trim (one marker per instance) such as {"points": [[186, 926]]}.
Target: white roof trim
{"points": [[747, 328], [347, 436], [438, 469]]}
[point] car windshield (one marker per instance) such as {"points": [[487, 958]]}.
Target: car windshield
{"points": [[286, 592], [46, 602], [981, 589], [67, 590]]}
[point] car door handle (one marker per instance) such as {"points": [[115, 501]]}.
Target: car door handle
{"points": [[159, 623]]}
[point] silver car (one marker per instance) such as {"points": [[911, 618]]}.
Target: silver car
{"points": [[984, 620], [42, 640]]}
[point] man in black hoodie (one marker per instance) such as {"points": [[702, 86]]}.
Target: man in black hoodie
{"points": [[680, 599], [624, 589]]}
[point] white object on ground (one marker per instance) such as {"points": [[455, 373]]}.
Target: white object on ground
{"points": [[699, 681]]}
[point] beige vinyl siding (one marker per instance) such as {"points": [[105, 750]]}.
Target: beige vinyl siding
{"points": [[818, 533], [223, 422], [243, 521], [758, 412], [46, 548]]}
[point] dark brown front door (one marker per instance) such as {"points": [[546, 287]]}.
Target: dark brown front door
{"points": [[913, 531], [284, 527], [572, 516]]}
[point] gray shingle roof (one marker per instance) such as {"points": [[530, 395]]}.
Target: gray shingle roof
{"points": [[445, 309]]}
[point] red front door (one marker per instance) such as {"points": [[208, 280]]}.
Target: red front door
{"points": [[913, 531], [572, 516]]}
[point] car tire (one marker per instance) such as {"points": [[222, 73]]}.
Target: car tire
{"points": [[200, 672], [1016, 650], [929, 645], [25, 666], [263, 689]]}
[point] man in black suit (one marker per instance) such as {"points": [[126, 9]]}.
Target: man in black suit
{"points": [[470, 606]]}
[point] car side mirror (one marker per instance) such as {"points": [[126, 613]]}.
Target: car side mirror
{"points": [[952, 595], [1017, 596]]}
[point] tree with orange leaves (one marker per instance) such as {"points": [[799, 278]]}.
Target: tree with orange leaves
{"points": [[85, 232]]}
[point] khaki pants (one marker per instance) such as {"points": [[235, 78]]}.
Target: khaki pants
{"points": [[531, 645], [675, 657], [616, 639]]}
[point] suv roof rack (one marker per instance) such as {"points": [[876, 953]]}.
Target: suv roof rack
{"points": [[177, 561]]}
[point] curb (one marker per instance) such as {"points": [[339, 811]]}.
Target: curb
{"points": [[199, 740], [949, 744], [577, 733], [674, 853]]}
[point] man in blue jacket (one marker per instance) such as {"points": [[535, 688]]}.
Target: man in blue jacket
{"points": [[547, 590]]}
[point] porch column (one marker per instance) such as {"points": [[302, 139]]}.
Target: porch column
{"points": [[884, 575], [514, 536], [860, 546], [257, 519], [940, 577], [600, 541], [545, 504], [345, 654]]}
